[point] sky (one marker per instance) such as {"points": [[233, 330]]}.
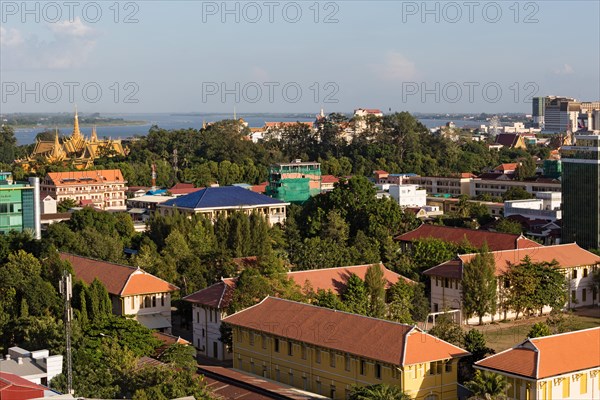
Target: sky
{"points": [[285, 56]]}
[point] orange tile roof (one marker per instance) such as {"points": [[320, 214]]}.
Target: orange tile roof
{"points": [[335, 279], [567, 255], [281, 124], [72, 178], [495, 240], [549, 356], [371, 338], [119, 280], [220, 294], [329, 179]]}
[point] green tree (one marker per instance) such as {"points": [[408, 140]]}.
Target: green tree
{"points": [[380, 391], [448, 330], [479, 285], [180, 356], [328, 299], [65, 205], [488, 386], [355, 296], [508, 226], [516, 193], [375, 284], [9, 143], [539, 329], [476, 345], [526, 168]]}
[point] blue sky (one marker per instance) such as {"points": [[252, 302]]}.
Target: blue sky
{"points": [[193, 56]]}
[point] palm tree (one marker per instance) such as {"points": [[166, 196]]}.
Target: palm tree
{"points": [[487, 386], [378, 392]]}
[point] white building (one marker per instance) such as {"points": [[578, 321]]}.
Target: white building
{"points": [[409, 195], [35, 366], [546, 205], [577, 264]]}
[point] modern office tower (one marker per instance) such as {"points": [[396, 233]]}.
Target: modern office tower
{"points": [[581, 191], [537, 111], [19, 205], [560, 114]]}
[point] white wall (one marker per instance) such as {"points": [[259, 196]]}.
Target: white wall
{"points": [[206, 332], [408, 195]]}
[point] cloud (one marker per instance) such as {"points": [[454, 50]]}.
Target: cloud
{"points": [[396, 67], [75, 29], [10, 37], [70, 45], [566, 69]]}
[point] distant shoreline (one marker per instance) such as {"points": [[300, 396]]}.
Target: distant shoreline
{"points": [[85, 124]]}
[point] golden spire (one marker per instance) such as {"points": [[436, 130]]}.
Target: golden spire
{"points": [[57, 153], [94, 135], [76, 131]]}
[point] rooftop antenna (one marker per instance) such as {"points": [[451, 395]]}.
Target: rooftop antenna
{"points": [[66, 289]]}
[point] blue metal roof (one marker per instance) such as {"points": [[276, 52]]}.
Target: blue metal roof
{"points": [[222, 196]]}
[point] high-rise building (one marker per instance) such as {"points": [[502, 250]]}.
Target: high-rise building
{"points": [[537, 111], [560, 114], [19, 205], [581, 191]]}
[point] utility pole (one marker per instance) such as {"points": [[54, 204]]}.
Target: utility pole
{"points": [[66, 289]]}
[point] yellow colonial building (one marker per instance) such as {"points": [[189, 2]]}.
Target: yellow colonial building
{"points": [[77, 150], [564, 366], [327, 352]]}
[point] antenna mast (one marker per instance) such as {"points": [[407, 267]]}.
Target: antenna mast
{"points": [[66, 288]]}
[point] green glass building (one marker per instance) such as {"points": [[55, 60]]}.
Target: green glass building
{"points": [[581, 191], [19, 206]]}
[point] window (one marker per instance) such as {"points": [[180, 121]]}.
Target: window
{"points": [[276, 344], [432, 368], [363, 367], [332, 391], [332, 359], [153, 301], [583, 295], [438, 367], [436, 307], [263, 340], [318, 356], [378, 371], [239, 335], [203, 332], [574, 274], [446, 282], [449, 366], [305, 383], [251, 334], [347, 362], [132, 301], [162, 300], [197, 316], [318, 386], [147, 302], [437, 281], [290, 349], [303, 351], [210, 315], [291, 382], [585, 272]]}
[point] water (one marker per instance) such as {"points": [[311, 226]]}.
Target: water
{"points": [[173, 121]]}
